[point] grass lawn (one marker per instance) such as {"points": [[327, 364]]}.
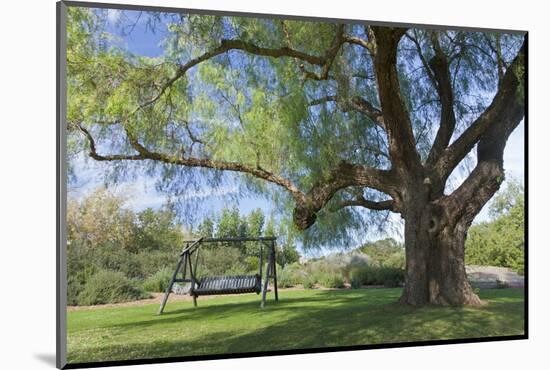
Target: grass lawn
{"points": [[301, 319]]}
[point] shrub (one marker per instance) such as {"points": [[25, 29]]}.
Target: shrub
{"points": [[362, 276], [252, 263], [392, 277], [238, 270], [290, 275], [76, 283], [285, 278], [356, 260], [107, 286], [331, 280], [384, 252], [221, 260], [309, 282], [374, 275], [112, 257], [158, 282], [74, 288], [396, 261], [355, 283]]}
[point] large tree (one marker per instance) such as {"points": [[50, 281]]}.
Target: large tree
{"points": [[326, 118]]}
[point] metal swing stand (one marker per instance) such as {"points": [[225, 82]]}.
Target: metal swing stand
{"points": [[235, 284]]}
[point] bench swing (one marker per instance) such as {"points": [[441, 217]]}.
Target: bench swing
{"points": [[228, 284]]}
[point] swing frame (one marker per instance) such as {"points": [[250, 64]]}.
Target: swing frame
{"points": [[191, 249]]}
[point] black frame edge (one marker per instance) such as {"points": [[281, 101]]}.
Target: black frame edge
{"points": [[291, 352]]}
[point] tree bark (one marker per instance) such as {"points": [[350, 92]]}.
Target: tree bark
{"points": [[435, 271]]}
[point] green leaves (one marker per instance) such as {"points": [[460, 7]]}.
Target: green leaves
{"points": [[253, 106], [500, 242]]}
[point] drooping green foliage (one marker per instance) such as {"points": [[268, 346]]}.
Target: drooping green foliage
{"points": [[501, 241], [258, 111]]}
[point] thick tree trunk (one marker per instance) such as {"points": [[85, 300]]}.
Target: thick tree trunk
{"points": [[435, 270]]}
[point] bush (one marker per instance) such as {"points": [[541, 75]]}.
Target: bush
{"points": [[285, 278], [107, 286], [76, 283], [501, 241], [238, 269], [309, 282], [290, 275], [331, 280], [74, 288], [112, 257], [362, 276], [355, 283], [392, 277], [374, 275], [385, 252], [152, 262], [158, 282], [252, 263], [221, 260]]}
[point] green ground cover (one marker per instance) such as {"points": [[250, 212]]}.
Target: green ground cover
{"points": [[301, 319]]}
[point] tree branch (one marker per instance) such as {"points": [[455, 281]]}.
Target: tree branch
{"points": [[228, 45], [342, 176], [507, 108], [485, 180], [402, 145], [423, 59], [328, 58], [98, 157], [307, 204], [359, 41], [365, 107], [145, 153], [356, 103], [360, 201], [440, 67]]}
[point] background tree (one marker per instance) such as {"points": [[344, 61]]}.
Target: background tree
{"points": [[100, 218], [325, 118], [231, 223], [385, 252], [206, 228], [112, 250], [500, 241]]}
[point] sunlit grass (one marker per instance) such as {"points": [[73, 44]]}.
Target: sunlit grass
{"points": [[301, 319]]}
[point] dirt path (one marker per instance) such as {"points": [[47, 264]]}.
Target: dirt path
{"points": [[479, 276], [157, 299]]}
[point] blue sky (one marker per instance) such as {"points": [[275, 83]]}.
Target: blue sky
{"points": [[141, 191]]}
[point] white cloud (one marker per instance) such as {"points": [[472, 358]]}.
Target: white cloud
{"points": [[209, 192], [113, 15]]}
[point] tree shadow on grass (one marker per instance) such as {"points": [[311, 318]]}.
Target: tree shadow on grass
{"points": [[289, 305], [327, 319]]}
